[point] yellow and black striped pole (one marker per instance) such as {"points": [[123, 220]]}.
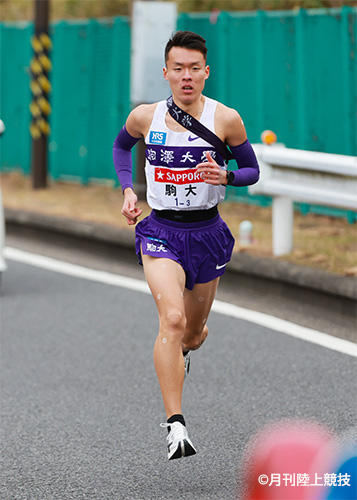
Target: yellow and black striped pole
{"points": [[40, 87]]}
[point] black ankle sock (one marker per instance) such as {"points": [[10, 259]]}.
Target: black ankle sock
{"points": [[185, 352], [175, 418]]}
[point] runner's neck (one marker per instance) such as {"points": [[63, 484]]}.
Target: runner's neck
{"points": [[195, 108]]}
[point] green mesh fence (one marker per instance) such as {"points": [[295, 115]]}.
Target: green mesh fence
{"points": [[89, 98], [294, 72]]}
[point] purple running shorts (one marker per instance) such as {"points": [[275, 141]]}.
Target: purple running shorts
{"points": [[203, 248]]}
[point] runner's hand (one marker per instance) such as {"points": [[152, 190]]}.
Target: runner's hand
{"points": [[211, 171], [130, 211]]}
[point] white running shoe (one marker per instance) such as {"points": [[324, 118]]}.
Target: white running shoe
{"points": [[178, 443], [187, 358]]}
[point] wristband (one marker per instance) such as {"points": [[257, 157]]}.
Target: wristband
{"points": [[230, 178]]}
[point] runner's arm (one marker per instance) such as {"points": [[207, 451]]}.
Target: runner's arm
{"points": [[124, 142], [122, 146], [230, 128], [236, 137]]}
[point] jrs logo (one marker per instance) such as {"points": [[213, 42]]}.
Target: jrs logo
{"points": [[157, 137]]}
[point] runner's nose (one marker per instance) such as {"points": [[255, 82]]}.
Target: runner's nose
{"points": [[187, 74]]}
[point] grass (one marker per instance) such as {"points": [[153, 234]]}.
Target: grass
{"points": [[321, 242]]}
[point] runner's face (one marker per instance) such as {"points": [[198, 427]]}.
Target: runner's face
{"points": [[186, 72]]}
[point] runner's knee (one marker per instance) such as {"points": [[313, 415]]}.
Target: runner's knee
{"points": [[173, 322]]}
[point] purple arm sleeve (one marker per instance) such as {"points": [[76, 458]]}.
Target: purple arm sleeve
{"points": [[248, 172], [122, 157]]}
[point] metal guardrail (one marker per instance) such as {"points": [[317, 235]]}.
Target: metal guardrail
{"points": [[290, 175]]}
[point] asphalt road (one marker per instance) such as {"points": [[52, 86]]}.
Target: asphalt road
{"points": [[327, 313], [81, 405]]}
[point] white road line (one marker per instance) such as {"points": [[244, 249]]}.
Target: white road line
{"points": [[262, 319]]}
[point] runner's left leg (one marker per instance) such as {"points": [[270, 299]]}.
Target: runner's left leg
{"points": [[198, 303]]}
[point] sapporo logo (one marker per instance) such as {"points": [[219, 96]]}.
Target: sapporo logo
{"points": [[157, 137]]}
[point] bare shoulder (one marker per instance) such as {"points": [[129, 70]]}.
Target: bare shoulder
{"points": [[139, 120], [230, 125]]}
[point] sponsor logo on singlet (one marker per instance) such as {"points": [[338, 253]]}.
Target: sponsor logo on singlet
{"points": [[157, 137], [184, 176]]}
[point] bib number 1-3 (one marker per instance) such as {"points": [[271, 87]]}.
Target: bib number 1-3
{"points": [[187, 203]]}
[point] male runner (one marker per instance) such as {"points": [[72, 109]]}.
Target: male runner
{"points": [[183, 244]]}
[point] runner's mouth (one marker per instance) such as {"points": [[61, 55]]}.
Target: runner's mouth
{"points": [[187, 88]]}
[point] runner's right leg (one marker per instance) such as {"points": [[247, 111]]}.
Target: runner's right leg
{"points": [[166, 280]]}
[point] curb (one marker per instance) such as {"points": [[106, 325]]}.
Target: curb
{"points": [[268, 268]]}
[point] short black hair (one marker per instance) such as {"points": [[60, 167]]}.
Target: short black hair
{"points": [[188, 40]]}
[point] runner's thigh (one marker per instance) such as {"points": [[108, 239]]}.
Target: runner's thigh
{"points": [[166, 280]]}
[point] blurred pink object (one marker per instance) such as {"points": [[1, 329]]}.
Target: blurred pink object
{"points": [[285, 459]]}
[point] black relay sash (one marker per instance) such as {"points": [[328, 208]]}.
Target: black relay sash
{"points": [[196, 127]]}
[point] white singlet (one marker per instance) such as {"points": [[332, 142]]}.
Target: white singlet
{"points": [[173, 182]]}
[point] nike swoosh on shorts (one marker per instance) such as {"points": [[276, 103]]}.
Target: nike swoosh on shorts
{"points": [[192, 138], [220, 267]]}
